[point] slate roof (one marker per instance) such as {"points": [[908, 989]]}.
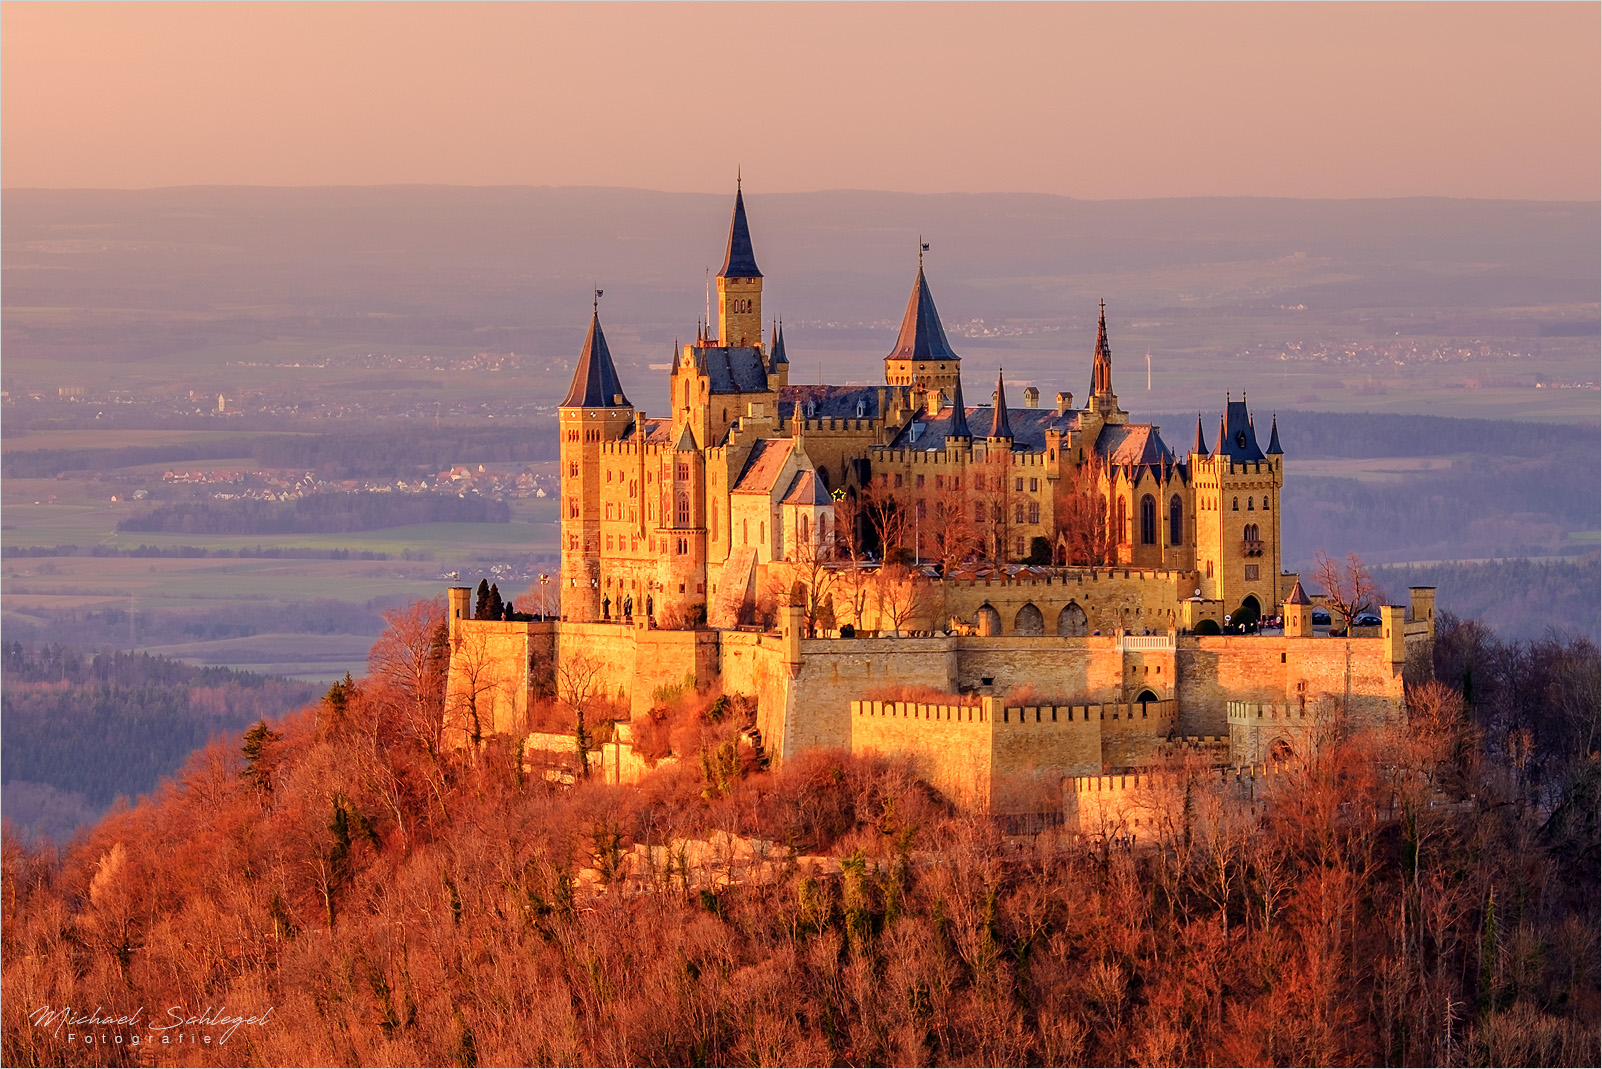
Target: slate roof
{"points": [[656, 430], [958, 426], [595, 381], [739, 261], [922, 337], [1273, 439], [1201, 443], [734, 368], [1297, 595], [839, 402], [1028, 427], [808, 489], [1133, 445], [763, 466], [1239, 438]]}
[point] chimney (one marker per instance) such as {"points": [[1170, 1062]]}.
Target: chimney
{"points": [[1065, 401], [1031, 397]]}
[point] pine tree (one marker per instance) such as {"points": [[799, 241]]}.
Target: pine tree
{"points": [[481, 608], [496, 609]]}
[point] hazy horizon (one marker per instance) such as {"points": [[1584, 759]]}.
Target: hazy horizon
{"points": [[1089, 101]]}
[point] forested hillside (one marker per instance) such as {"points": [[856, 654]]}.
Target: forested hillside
{"points": [[1413, 894], [1516, 598], [82, 729]]}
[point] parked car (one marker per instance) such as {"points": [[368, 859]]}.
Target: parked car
{"points": [[1368, 620], [1320, 618]]}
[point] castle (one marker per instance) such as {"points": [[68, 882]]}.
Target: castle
{"points": [[818, 547]]}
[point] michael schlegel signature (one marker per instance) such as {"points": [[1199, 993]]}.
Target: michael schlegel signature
{"points": [[211, 1025]]}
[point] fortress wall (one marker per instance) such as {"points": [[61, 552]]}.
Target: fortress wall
{"points": [[1131, 733], [1144, 806], [635, 660], [949, 745], [1215, 670], [836, 672], [757, 664], [1034, 747], [489, 673], [1087, 669], [1110, 597]]}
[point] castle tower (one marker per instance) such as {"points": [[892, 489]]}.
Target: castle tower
{"points": [[739, 284], [922, 358], [594, 412], [778, 361], [1237, 516]]}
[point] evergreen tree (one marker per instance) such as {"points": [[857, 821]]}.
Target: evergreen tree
{"points": [[496, 609], [481, 608]]}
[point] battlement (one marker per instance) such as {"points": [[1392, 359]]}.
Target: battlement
{"points": [[993, 711], [1162, 779], [1254, 711]]}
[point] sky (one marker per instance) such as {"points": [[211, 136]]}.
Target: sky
{"points": [[1084, 100]]}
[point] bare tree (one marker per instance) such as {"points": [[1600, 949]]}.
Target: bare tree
{"points": [[579, 678], [1348, 589], [1084, 530], [902, 595], [410, 660], [475, 682]]}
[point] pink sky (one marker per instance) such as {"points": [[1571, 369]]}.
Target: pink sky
{"points": [[1118, 100]]}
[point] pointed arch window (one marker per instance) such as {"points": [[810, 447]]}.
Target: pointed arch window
{"points": [[1148, 520], [1176, 521]]}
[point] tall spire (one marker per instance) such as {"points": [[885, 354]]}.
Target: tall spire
{"points": [[1101, 369], [1000, 427], [1273, 437], [1201, 442], [740, 260], [959, 413], [595, 381]]}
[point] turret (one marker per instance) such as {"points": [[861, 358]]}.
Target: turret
{"points": [[1298, 612], [778, 362]]}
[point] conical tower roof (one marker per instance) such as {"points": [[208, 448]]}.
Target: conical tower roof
{"points": [[740, 260], [922, 337], [1273, 438], [1201, 442], [595, 381], [999, 425], [1297, 595], [959, 414]]}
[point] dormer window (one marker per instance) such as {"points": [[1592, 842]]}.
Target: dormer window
{"points": [[812, 409], [862, 408]]}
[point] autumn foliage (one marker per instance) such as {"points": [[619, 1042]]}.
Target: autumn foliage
{"points": [[1425, 894]]}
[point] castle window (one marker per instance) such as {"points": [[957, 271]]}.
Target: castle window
{"points": [[1265, 502], [609, 542], [608, 474], [1120, 527], [1017, 485], [978, 512], [1018, 547], [1034, 486], [1248, 504], [956, 482], [683, 470], [1034, 512], [918, 481], [922, 506], [898, 480], [1209, 569], [804, 531], [1018, 514], [572, 470], [745, 532], [940, 482], [762, 530], [712, 525], [1235, 504], [1176, 521], [681, 515], [1148, 521]]}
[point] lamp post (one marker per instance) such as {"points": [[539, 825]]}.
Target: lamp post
{"points": [[544, 581]]}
